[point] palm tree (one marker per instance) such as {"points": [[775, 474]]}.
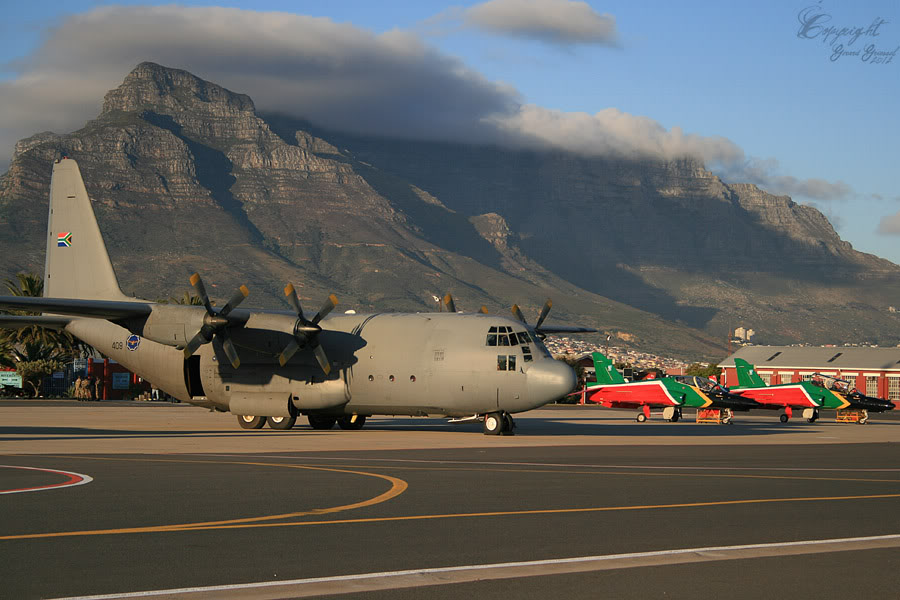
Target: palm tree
{"points": [[60, 343]]}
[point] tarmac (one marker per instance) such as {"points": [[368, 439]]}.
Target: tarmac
{"points": [[173, 501]]}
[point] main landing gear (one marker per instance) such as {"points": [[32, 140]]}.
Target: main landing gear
{"points": [[499, 423], [671, 414], [281, 423], [811, 415], [251, 422]]}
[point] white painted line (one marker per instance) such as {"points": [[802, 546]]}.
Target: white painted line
{"points": [[527, 568], [79, 479]]}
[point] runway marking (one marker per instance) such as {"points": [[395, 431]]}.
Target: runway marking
{"points": [[72, 480], [634, 474], [589, 466], [409, 578], [398, 486], [505, 513]]}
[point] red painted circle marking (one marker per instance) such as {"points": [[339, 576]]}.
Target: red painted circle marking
{"points": [[71, 479]]}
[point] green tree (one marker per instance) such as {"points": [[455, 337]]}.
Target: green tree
{"points": [[62, 343], [703, 370], [34, 361]]}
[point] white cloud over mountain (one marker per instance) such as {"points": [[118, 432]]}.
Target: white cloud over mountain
{"points": [[343, 77]]}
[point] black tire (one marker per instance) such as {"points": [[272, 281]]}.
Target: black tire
{"points": [[641, 417], [493, 424], [783, 418], [321, 421], [281, 423], [509, 425], [251, 422], [344, 423]]}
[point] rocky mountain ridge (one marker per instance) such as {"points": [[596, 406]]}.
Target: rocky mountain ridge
{"points": [[187, 175]]}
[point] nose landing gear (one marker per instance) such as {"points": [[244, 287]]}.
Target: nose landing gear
{"points": [[499, 423]]}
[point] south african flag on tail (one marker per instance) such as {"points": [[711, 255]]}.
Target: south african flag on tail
{"points": [[64, 239]]}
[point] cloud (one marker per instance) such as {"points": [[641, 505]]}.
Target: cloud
{"points": [[552, 21], [342, 77], [336, 75], [612, 132], [890, 225]]}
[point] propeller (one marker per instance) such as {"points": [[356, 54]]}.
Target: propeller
{"points": [[451, 305], [307, 332], [214, 325], [517, 312]]}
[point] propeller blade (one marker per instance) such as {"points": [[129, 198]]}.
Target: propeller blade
{"points": [[236, 298], [288, 352], [517, 312], [197, 284], [196, 341], [544, 312], [230, 351], [329, 305], [451, 305], [323, 360], [484, 309], [294, 300]]}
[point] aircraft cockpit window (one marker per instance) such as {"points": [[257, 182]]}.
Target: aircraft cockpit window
{"points": [[503, 340], [513, 340], [492, 330], [512, 362], [523, 337], [501, 362], [492, 338]]}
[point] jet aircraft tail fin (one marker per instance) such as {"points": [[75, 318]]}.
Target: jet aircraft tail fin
{"points": [[747, 375], [606, 372], [77, 264]]}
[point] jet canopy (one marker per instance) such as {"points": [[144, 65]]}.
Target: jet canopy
{"points": [[705, 384]]}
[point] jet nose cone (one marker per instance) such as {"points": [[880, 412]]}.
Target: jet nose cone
{"points": [[549, 380]]}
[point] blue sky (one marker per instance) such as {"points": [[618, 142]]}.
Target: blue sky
{"points": [[762, 104]]}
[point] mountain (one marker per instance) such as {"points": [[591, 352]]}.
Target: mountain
{"points": [[186, 175]]}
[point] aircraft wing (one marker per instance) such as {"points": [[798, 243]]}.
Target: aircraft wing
{"points": [[22, 321], [103, 309], [565, 329]]}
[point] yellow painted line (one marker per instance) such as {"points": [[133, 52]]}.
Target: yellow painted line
{"points": [[510, 513], [629, 473], [398, 486]]}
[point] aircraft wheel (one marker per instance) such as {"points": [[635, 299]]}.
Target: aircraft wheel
{"points": [[320, 421], [783, 418], [282, 423], [509, 425], [727, 420], [344, 423], [676, 416], [251, 422], [641, 417], [493, 424]]}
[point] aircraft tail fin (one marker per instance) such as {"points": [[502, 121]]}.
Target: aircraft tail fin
{"points": [[606, 372], [747, 375], [77, 264]]}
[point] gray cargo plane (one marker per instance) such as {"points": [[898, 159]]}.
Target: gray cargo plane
{"points": [[271, 366]]}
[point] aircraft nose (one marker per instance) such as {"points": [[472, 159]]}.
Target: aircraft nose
{"points": [[549, 380]]}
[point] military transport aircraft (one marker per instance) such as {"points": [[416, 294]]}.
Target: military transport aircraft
{"points": [[334, 368], [823, 392], [671, 394]]}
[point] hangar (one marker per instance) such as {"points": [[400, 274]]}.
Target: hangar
{"points": [[873, 371]]}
